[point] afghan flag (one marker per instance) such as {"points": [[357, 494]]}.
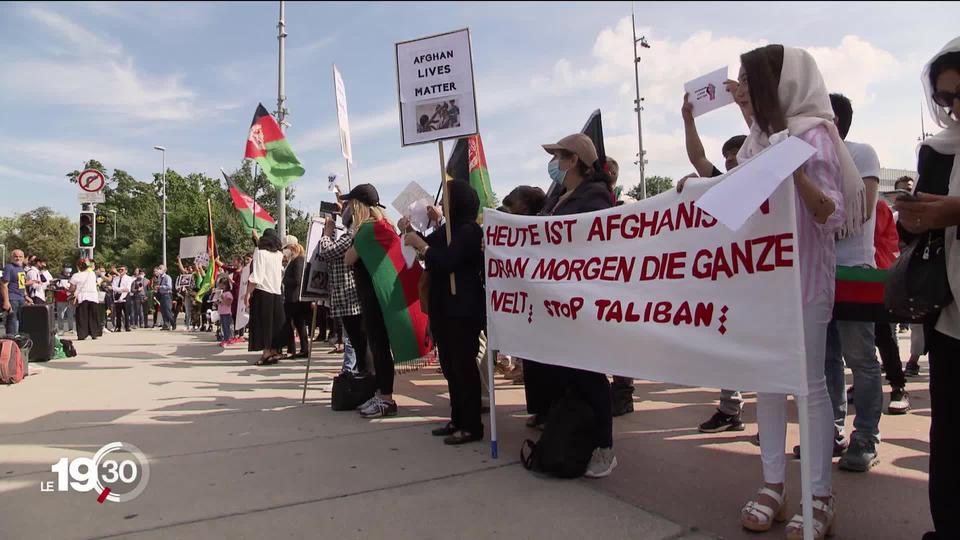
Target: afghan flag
{"points": [[254, 216], [395, 287], [270, 148], [469, 163], [211, 276]]}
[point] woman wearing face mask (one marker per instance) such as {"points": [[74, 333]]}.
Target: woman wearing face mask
{"points": [[786, 93], [265, 300], [583, 188], [937, 212], [297, 313]]}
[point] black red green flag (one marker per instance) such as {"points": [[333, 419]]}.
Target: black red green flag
{"points": [[269, 147]]}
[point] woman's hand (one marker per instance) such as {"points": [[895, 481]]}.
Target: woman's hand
{"points": [[351, 257], [413, 240], [329, 228], [403, 224], [683, 181], [434, 213], [928, 212], [686, 111]]}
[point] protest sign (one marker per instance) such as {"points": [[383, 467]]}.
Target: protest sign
{"points": [[193, 246], [656, 290], [314, 282], [343, 121], [708, 92], [435, 88]]}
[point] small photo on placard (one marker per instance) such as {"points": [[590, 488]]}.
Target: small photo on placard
{"points": [[438, 115]]}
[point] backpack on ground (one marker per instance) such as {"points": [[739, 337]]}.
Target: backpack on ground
{"points": [[68, 348], [567, 443], [12, 366], [350, 391]]}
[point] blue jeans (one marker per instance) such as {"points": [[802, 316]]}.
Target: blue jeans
{"points": [[166, 310], [226, 326], [65, 316], [13, 316], [349, 355], [852, 342]]}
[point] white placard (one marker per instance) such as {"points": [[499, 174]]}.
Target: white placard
{"points": [[315, 281], [748, 185], [705, 305], [243, 316], [709, 92], [96, 197], [412, 193], [193, 246], [343, 121], [435, 86]]}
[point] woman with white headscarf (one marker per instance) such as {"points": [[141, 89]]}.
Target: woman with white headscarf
{"points": [[787, 96], [937, 212]]}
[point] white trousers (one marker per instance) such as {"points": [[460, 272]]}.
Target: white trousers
{"points": [[772, 410]]}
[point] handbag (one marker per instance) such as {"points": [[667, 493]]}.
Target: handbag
{"points": [[917, 288]]}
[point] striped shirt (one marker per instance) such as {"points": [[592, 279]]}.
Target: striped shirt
{"points": [[816, 248]]}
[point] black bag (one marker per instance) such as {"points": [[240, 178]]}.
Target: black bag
{"points": [[68, 348], [37, 321], [350, 391], [917, 288], [567, 443]]}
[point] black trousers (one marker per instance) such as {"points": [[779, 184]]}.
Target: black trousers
{"points": [[298, 318], [120, 315], [353, 326], [538, 388], [944, 354], [88, 320], [458, 343], [379, 342], [886, 342]]}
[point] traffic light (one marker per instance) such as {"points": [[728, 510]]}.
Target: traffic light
{"points": [[87, 237]]}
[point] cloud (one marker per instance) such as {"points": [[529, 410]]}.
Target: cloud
{"points": [[361, 128], [82, 41], [854, 66]]}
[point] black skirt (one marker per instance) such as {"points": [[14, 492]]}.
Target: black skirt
{"points": [[266, 320]]}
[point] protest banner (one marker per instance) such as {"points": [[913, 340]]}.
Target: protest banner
{"points": [[657, 290], [435, 88], [343, 125]]}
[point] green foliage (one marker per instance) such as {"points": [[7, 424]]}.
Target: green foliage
{"points": [[655, 186], [133, 213]]}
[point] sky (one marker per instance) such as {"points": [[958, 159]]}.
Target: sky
{"points": [[109, 80]]}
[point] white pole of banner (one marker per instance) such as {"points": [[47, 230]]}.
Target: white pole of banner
{"points": [[806, 454], [491, 358], [349, 183]]}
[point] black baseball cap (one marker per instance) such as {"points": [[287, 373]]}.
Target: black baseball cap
{"points": [[365, 193]]}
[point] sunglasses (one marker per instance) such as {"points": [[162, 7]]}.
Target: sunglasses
{"points": [[944, 98]]}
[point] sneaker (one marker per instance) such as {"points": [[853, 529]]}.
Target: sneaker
{"points": [[537, 421], [912, 369], [601, 463], [839, 446], [722, 422], [368, 402], [899, 401], [380, 408], [860, 457]]}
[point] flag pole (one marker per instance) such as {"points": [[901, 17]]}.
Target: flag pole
{"points": [[446, 210], [349, 185], [281, 114]]}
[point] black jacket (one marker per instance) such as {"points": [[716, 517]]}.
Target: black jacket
{"points": [[464, 259], [291, 279], [587, 197]]}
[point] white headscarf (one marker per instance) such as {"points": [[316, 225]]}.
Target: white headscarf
{"points": [[947, 142], [806, 105]]}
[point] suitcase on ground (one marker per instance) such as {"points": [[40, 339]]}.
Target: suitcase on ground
{"points": [[350, 391], [37, 321], [13, 363]]}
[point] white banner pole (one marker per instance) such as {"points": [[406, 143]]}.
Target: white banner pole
{"points": [[806, 480], [491, 358]]}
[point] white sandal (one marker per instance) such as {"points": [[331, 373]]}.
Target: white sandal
{"points": [[763, 514], [821, 530]]}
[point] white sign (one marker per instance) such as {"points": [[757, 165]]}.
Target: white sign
{"points": [[315, 281], [709, 92], [412, 193], [749, 184], [435, 80], [193, 246], [243, 315], [97, 197], [343, 121], [91, 180], [655, 290]]}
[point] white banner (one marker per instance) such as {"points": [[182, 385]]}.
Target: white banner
{"points": [[656, 290], [243, 315], [343, 121], [193, 246], [435, 85]]}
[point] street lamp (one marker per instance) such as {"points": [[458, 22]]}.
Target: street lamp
{"points": [[163, 196], [642, 41], [114, 212]]}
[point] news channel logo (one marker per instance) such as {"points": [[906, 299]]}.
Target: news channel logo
{"points": [[117, 472]]}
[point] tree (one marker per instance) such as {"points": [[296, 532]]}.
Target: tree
{"points": [[655, 186], [45, 233]]}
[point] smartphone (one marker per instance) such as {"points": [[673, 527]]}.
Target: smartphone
{"points": [[329, 208], [901, 195]]}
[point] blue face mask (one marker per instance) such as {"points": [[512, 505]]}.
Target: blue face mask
{"points": [[553, 169]]}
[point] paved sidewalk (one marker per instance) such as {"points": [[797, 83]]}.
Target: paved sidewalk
{"points": [[234, 454]]}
